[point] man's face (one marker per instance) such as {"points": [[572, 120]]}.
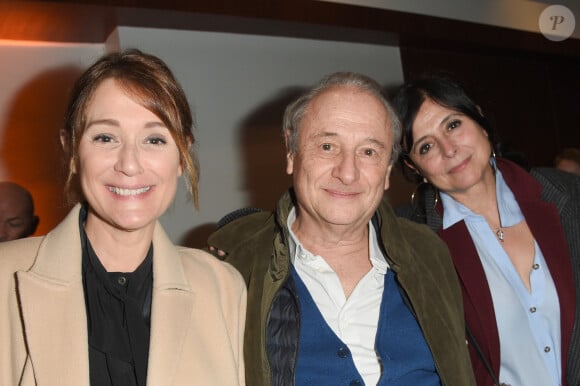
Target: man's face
{"points": [[342, 164], [16, 219]]}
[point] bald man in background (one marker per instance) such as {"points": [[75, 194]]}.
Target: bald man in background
{"points": [[17, 218]]}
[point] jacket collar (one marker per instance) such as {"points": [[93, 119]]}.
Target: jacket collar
{"points": [[393, 243], [280, 263], [53, 307], [172, 307], [54, 313], [396, 246], [59, 260]]}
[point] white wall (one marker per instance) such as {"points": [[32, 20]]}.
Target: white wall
{"points": [[34, 85], [24, 62]]}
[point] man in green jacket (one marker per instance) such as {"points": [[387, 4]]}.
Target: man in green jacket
{"points": [[340, 290]]}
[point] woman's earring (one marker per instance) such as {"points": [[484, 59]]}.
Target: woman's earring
{"points": [[416, 193], [419, 190], [492, 161]]}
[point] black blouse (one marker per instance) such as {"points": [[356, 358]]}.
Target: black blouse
{"points": [[118, 308]]}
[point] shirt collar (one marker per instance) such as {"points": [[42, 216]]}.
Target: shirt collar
{"points": [[509, 210], [297, 250], [140, 277]]}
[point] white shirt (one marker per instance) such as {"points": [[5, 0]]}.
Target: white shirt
{"points": [[353, 320]]}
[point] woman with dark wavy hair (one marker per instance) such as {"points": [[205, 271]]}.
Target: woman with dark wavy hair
{"points": [[514, 237]]}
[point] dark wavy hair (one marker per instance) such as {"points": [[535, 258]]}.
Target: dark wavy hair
{"points": [[443, 90]]}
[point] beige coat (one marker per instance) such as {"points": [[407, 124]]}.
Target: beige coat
{"points": [[197, 317]]}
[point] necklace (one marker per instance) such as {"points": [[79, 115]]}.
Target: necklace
{"points": [[499, 234]]}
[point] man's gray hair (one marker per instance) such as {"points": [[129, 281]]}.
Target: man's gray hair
{"points": [[296, 110]]}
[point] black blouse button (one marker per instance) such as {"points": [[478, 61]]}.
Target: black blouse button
{"points": [[122, 280], [342, 352]]}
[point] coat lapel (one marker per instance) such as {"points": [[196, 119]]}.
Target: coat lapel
{"points": [[171, 309], [54, 314], [53, 308], [544, 221], [477, 301]]}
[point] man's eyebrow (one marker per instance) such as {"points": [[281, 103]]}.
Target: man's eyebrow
{"points": [[377, 142], [323, 134]]}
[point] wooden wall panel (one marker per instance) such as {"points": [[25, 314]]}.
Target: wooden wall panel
{"points": [[531, 99]]}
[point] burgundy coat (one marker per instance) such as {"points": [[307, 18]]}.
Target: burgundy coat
{"points": [[546, 204]]}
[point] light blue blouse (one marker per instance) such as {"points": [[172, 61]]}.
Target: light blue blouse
{"points": [[528, 322]]}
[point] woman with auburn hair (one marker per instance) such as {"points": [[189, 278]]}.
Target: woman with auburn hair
{"points": [[105, 298]]}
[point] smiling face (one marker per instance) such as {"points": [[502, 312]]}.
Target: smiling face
{"points": [[450, 150], [129, 164], [342, 165]]}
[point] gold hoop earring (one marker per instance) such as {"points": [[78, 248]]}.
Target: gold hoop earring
{"points": [[415, 199], [413, 196], [493, 161]]}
